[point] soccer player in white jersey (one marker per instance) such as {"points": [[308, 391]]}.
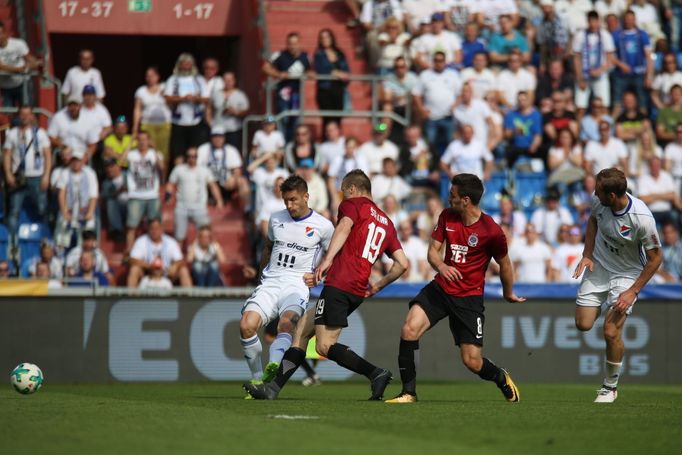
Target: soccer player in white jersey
{"points": [[622, 252], [297, 239]]}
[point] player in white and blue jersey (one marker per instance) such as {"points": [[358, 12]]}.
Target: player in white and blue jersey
{"points": [[622, 252], [297, 239]]}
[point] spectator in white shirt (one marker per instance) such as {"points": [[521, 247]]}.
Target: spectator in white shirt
{"points": [[567, 254], [48, 257], [268, 140], [479, 76], [153, 246], [374, 14], [515, 79], [187, 95], [341, 165], [145, 168], [151, 113], [548, 218], [317, 188], [515, 219], [27, 161], [416, 252], [272, 203], [467, 155], [206, 256], [439, 40], [532, 258], [608, 152], [434, 97], [375, 150], [225, 162], [474, 112], [15, 58], [333, 146], [227, 109], [673, 158], [70, 129], [210, 69], [188, 182], [429, 218], [156, 280], [84, 74], [95, 114], [88, 244], [488, 12], [391, 206], [657, 190], [264, 179], [665, 80], [389, 182]]}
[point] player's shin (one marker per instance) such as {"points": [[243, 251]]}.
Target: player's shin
{"points": [[408, 359], [491, 372], [252, 353], [293, 358], [612, 373], [279, 347], [348, 359]]}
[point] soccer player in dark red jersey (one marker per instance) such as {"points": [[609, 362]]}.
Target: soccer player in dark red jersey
{"points": [[471, 238], [364, 232]]}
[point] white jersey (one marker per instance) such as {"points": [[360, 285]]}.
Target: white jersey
{"points": [[622, 238], [298, 244]]}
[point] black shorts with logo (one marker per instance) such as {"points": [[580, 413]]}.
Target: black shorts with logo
{"points": [[334, 306], [465, 313]]}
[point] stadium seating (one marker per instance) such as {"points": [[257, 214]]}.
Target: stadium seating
{"points": [[29, 238], [493, 192], [529, 190], [4, 242]]}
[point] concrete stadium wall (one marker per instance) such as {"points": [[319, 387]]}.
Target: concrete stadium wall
{"points": [[191, 339]]}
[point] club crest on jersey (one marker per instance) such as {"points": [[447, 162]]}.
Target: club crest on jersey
{"points": [[625, 231], [309, 232], [472, 240]]}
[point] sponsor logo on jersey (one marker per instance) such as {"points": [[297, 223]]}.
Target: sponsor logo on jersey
{"points": [[297, 247], [309, 232], [472, 240], [625, 231]]}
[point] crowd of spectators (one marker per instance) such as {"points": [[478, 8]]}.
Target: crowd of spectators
{"points": [[500, 88]]}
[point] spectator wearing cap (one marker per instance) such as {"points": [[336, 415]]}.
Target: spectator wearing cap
{"points": [[83, 74], [439, 40], [210, 75], [329, 60], [502, 43], [523, 130], [225, 163], [186, 94], [69, 128], [87, 270], [550, 216], [467, 155], [15, 58], [379, 147], [317, 188], [553, 36], [27, 161], [96, 116], [483, 81], [389, 182], [156, 245], [302, 147], [155, 279], [532, 258], [434, 96], [47, 256], [205, 256], [119, 142], [78, 194], [151, 113], [333, 146], [188, 182], [268, 140], [607, 152], [228, 107], [374, 14], [593, 55], [115, 198], [287, 67], [143, 179], [88, 245], [515, 79]]}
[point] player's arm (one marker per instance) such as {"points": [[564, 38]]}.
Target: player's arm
{"points": [[265, 256], [435, 258], [590, 236], [400, 264], [339, 237], [654, 257], [507, 279]]}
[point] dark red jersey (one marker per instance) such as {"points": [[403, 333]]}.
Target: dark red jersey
{"points": [[468, 249], [372, 234]]}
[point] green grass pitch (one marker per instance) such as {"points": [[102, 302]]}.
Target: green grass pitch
{"points": [[469, 418]]}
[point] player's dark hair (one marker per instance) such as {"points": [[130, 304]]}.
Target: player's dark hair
{"points": [[470, 186], [612, 180], [294, 183], [358, 179]]}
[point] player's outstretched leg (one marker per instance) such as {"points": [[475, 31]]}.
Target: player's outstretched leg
{"points": [[251, 344], [416, 323], [487, 370], [615, 349], [285, 327]]}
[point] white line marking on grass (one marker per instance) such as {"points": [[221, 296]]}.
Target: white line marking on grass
{"points": [[289, 417]]}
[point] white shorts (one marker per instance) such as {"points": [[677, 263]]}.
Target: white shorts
{"points": [[601, 287], [598, 87], [275, 297]]}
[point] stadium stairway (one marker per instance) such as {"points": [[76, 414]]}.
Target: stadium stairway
{"points": [[308, 17]]}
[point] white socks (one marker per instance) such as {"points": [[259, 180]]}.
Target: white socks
{"points": [[612, 373], [279, 347], [252, 353]]}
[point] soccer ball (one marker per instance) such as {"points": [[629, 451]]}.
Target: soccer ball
{"points": [[26, 378]]}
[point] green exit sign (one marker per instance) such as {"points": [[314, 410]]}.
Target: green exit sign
{"points": [[139, 6]]}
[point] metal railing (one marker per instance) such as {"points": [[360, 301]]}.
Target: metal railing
{"points": [[25, 96], [374, 113]]}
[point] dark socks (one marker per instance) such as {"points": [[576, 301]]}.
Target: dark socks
{"points": [[292, 359], [491, 372], [348, 359], [408, 357], [309, 371]]}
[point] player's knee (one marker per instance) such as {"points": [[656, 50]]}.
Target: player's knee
{"points": [[409, 332], [583, 324], [611, 333], [246, 329], [322, 348], [473, 363]]}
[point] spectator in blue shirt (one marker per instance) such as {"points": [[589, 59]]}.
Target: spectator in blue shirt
{"points": [[471, 45], [508, 39], [523, 130], [634, 67], [287, 66], [87, 269]]}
